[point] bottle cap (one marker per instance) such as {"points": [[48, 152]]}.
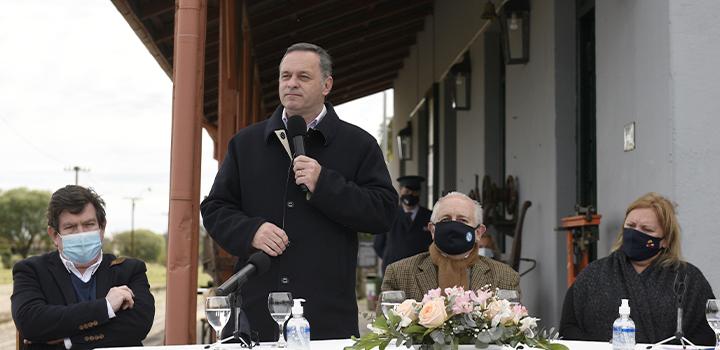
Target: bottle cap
{"points": [[297, 309], [624, 307]]}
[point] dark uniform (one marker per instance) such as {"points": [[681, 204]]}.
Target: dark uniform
{"points": [[408, 236]]}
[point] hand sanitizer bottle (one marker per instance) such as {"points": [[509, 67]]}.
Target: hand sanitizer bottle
{"points": [[623, 329], [298, 329]]}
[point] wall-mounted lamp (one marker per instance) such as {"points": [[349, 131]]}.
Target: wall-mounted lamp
{"points": [[404, 139], [460, 89], [515, 27]]}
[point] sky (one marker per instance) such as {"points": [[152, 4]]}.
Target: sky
{"points": [[78, 88]]}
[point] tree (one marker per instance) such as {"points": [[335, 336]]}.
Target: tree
{"points": [[148, 244], [22, 219]]}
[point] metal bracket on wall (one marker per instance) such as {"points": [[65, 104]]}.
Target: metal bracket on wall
{"points": [[500, 204]]}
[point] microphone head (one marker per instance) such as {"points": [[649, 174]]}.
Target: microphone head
{"points": [[261, 261], [296, 126]]}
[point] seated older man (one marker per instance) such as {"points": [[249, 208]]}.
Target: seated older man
{"points": [[453, 259]]}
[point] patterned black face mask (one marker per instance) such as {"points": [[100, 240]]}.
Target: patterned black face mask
{"points": [[454, 237], [639, 246]]}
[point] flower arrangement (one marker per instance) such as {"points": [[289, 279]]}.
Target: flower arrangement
{"points": [[458, 317]]}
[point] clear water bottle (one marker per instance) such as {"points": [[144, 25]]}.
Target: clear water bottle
{"points": [[298, 329], [623, 329]]}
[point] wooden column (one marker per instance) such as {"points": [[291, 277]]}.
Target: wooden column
{"points": [[184, 218], [223, 261], [246, 70]]}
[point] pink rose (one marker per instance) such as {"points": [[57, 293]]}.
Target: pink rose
{"points": [[433, 313], [407, 312]]}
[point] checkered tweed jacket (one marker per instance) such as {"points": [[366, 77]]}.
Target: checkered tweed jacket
{"points": [[417, 274]]}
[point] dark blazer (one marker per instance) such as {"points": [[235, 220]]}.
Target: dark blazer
{"points": [[45, 308], [255, 184], [417, 274], [406, 238]]}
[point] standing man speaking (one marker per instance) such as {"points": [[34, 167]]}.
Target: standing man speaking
{"points": [[257, 203]]}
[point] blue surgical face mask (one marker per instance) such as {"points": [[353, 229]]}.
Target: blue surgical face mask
{"points": [[81, 248]]}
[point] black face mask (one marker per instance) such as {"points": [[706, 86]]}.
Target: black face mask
{"points": [[410, 199], [639, 246], [454, 237]]}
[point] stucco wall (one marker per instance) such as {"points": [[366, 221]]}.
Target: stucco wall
{"points": [[657, 66], [633, 79], [694, 49], [531, 156]]}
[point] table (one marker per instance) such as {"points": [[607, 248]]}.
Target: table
{"points": [[340, 344]]}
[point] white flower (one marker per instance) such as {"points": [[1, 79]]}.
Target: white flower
{"points": [[528, 323], [404, 321], [499, 311]]}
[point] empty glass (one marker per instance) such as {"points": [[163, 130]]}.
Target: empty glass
{"points": [[510, 295], [713, 318], [280, 304], [217, 311], [390, 299]]}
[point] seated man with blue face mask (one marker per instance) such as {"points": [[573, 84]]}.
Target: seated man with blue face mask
{"points": [[77, 297], [453, 259]]}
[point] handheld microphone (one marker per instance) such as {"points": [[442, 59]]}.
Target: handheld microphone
{"points": [[257, 264], [296, 130]]}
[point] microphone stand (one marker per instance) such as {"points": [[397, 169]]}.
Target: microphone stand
{"points": [[679, 293]]}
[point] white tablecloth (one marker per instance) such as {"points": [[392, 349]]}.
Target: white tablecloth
{"points": [[340, 344]]}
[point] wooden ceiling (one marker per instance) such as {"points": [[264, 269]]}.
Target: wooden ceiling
{"points": [[368, 40]]}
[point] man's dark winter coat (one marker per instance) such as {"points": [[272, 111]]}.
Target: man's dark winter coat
{"points": [[255, 184]]}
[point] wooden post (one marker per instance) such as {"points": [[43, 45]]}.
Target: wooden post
{"points": [[184, 218]]}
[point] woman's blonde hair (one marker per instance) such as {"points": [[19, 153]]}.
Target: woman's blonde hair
{"points": [[665, 212]]}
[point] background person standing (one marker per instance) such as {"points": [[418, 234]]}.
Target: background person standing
{"points": [[409, 234]]}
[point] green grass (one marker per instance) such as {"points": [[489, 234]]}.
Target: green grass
{"points": [[156, 275], [5, 276]]}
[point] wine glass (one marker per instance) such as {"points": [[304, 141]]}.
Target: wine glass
{"points": [[280, 304], [390, 299], [510, 295], [217, 311], [712, 313]]}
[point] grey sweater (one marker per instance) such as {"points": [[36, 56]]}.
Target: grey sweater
{"points": [[591, 304]]}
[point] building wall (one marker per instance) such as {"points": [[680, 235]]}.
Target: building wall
{"points": [[633, 79], [655, 64], [656, 67], [531, 131], [531, 139], [694, 32]]}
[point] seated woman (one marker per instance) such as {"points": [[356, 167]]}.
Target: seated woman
{"points": [[645, 266]]}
